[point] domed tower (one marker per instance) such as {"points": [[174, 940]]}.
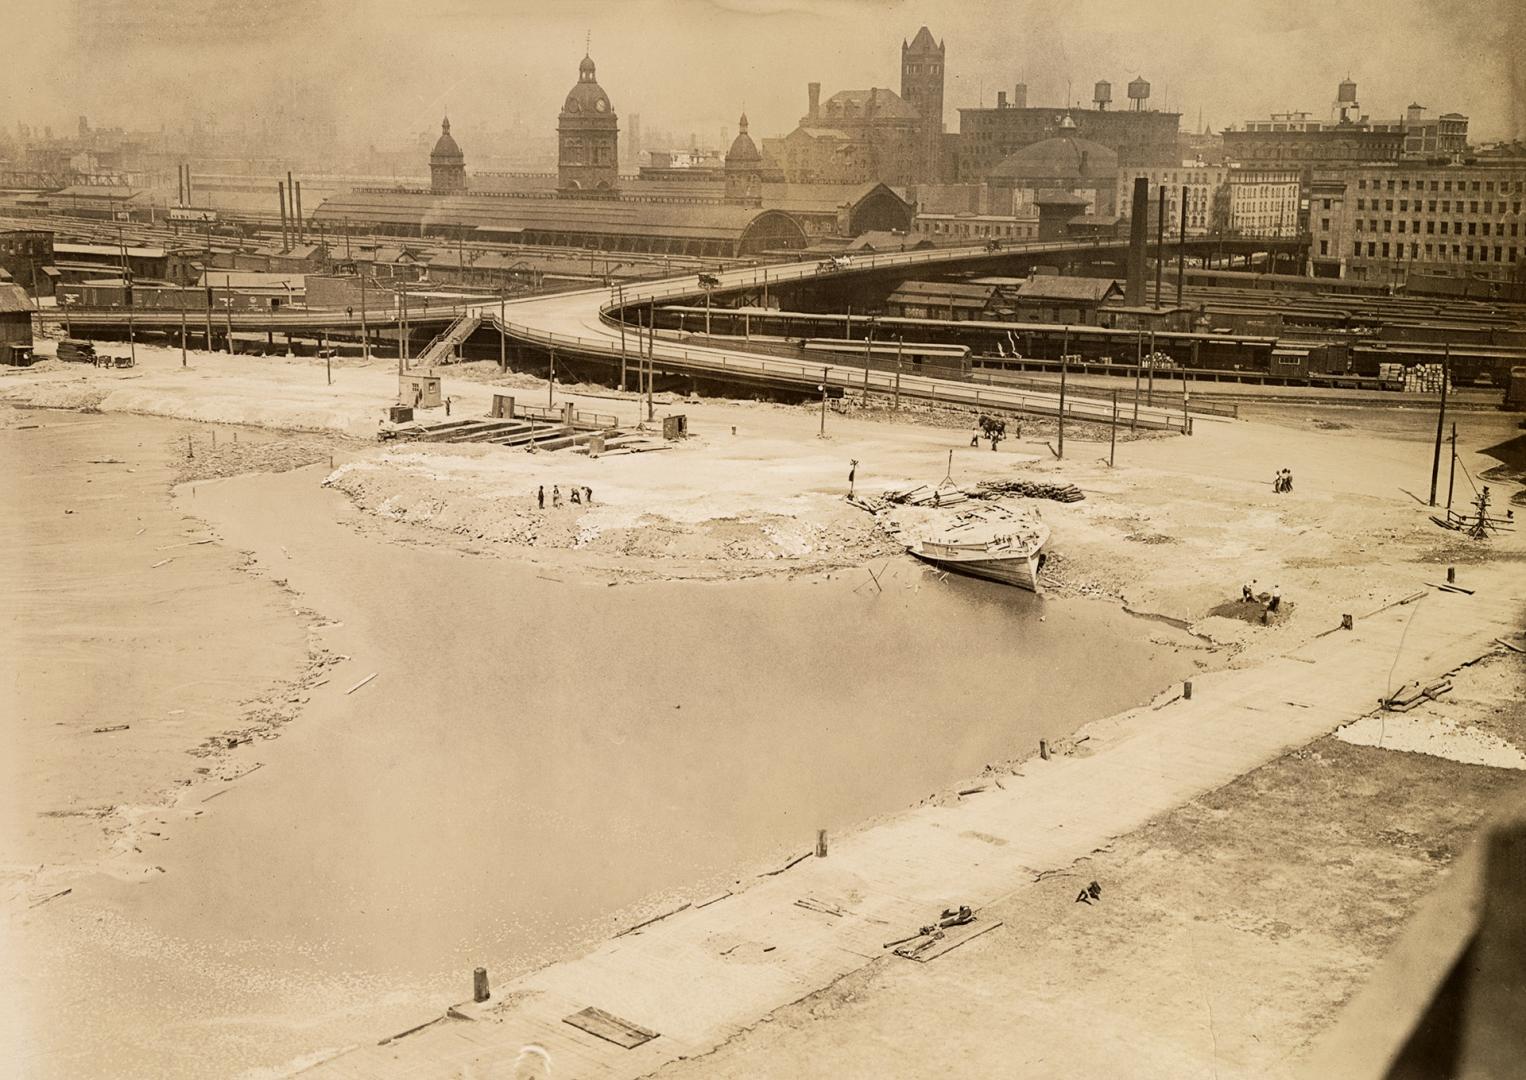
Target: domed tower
{"points": [[447, 165], [588, 158], [744, 168]]}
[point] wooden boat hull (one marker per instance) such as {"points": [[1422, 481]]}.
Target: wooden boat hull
{"points": [[1018, 570]]}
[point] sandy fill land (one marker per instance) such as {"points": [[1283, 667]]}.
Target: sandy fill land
{"points": [[1173, 531]]}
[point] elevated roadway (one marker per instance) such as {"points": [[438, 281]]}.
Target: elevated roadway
{"points": [[590, 323], [599, 323]]}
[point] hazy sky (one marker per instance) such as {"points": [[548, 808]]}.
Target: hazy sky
{"points": [[388, 68]]}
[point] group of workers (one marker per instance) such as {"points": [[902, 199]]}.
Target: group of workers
{"points": [[1249, 594], [1283, 482], [578, 496]]}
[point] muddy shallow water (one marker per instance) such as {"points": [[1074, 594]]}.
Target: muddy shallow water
{"points": [[536, 761]]}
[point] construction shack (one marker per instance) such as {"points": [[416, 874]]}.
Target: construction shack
{"points": [[16, 309], [419, 390]]}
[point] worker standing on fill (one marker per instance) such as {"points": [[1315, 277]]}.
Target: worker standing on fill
{"points": [[1276, 599], [556, 495], [540, 496], [587, 496], [852, 472]]}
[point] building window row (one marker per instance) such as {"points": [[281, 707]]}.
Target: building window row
{"points": [[1458, 252]]}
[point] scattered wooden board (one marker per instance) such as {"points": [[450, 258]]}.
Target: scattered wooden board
{"points": [[610, 1028], [930, 948]]}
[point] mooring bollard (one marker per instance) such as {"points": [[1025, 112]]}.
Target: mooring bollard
{"points": [[479, 985], [821, 843], [1187, 690], [1044, 749], [1451, 574], [1347, 622]]}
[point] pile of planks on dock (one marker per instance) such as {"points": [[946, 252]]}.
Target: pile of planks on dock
{"points": [[1032, 489], [76, 352], [1412, 694]]}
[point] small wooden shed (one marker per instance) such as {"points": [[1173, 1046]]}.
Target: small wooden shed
{"points": [[419, 390]]}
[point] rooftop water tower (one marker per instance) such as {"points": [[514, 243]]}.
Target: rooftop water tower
{"points": [[1139, 93], [1102, 95], [1345, 98]]}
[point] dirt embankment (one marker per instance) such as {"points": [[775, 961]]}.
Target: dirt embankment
{"points": [[495, 496]]}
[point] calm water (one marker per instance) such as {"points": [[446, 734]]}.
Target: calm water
{"points": [[537, 755]]}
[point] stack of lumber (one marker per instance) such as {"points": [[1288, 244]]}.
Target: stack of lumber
{"points": [[1424, 378], [922, 495], [77, 352], [1412, 694], [1033, 489]]}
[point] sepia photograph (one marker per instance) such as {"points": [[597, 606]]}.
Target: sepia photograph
{"points": [[762, 540]]}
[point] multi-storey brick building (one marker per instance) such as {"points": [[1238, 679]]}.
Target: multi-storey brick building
{"points": [[861, 136], [1309, 145], [1264, 202], [1140, 138], [1220, 199], [1382, 223]]}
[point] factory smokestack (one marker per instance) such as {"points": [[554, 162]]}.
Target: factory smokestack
{"points": [[1139, 232], [814, 89]]}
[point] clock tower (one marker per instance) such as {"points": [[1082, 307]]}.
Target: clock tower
{"points": [[588, 135]]}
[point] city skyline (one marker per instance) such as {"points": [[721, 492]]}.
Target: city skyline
{"points": [[487, 64]]}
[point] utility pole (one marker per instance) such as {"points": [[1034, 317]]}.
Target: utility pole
{"points": [[503, 338], [1064, 363], [1138, 364], [822, 432], [1150, 378], [132, 346], [550, 377], [365, 332], [182, 326], [896, 406], [1112, 434], [209, 311], [1160, 241], [1181, 250], [1441, 416], [868, 347], [228, 308], [1452, 471]]}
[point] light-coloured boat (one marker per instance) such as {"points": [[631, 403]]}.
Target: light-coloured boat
{"points": [[1012, 558]]}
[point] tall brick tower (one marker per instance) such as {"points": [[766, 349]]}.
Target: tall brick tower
{"points": [[588, 154], [922, 88]]}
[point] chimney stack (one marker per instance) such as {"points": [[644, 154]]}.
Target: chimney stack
{"points": [[815, 92]]}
